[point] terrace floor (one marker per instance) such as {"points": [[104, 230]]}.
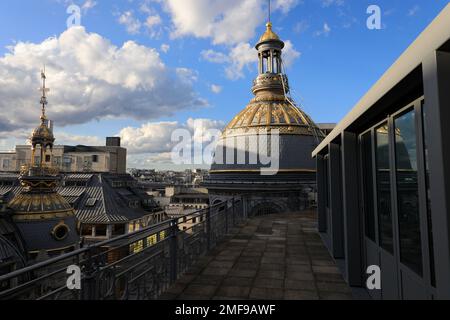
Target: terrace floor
{"points": [[278, 257]]}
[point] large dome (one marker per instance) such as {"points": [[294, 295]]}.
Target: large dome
{"points": [[264, 154], [270, 112]]}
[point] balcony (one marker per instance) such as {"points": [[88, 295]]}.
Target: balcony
{"points": [[224, 255]]}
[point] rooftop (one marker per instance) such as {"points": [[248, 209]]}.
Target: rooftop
{"points": [[270, 257]]}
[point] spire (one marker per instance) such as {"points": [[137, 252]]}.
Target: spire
{"points": [[44, 90]]}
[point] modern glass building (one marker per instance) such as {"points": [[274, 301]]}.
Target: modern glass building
{"points": [[384, 176]]}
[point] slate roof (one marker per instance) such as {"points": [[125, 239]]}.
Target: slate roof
{"points": [[111, 204]]}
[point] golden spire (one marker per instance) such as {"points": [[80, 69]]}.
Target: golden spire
{"points": [[269, 34], [44, 95]]}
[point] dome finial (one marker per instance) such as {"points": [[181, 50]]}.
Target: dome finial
{"points": [[44, 90]]}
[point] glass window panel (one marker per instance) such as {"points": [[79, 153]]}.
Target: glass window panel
{"points": [[327, 194], [367, 167], [427, 179], [407, 192], [384, 204]]}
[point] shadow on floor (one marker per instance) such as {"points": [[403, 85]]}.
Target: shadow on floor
{"points": [[276, 257]]}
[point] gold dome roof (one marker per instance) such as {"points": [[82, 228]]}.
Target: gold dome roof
{"points": [[43, 132], [270, 113], [269, 34], [38, 206]]}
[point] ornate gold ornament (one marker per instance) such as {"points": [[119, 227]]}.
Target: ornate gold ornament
{"points": [[61, 231]]}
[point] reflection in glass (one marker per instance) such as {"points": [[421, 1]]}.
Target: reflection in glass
{"points": [[427, 178], [384, 189], [367, 167], [407, 192]]}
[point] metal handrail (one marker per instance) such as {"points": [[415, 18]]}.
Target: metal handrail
{"points": [[46, 278]]}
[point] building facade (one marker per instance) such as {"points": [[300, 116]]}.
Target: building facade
{"points": [[272, 125], [384, 179], [111, 158]]}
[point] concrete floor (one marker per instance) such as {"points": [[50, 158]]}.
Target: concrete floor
{"points": [[279, 257]]}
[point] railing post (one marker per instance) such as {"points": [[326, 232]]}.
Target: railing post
{"points": [[174, 251], [234, 211], [227, 212], [90, 283], [208, 228]]}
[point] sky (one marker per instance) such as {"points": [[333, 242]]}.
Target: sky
{"points": [[140, 69]]}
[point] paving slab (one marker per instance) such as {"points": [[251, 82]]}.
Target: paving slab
{"points": [[276, 257]]}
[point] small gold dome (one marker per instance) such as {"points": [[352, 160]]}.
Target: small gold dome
{"points": [[43, 136], [269, 34]]}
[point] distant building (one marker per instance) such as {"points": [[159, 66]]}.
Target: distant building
{"points": [[111, 158]]}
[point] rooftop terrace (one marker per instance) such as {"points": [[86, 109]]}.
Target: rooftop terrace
{"points": [[271, 257]]}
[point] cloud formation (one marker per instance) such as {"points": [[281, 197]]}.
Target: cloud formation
{"points": [[156, 137], [90, 79]]}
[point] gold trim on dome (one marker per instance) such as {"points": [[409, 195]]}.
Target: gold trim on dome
{"points": [[37, 216], [273, 114], [266, 170]]}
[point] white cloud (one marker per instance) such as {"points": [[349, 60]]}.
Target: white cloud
{"points": [[165, 48], [324, 32], [290, 54], [286, 5], [156, 137], [214, 56], [216, 88], [413, 11], [151, 23], [225, 22], [244, 56], [64, 138], [241, 56], [329, 3], [90, 79], [88, 5], [132, 24]]}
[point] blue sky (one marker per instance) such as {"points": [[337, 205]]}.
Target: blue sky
{"points": [[196, 52]]}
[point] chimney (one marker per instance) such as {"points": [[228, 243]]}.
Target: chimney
{"points": [[113, 141]]}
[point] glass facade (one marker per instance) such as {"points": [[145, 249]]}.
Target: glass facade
{"points": [[384, 204], [427, 182], [367, 175], [408, 192]]}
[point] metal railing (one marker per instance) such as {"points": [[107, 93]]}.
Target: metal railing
{"points": [[136, 266]]}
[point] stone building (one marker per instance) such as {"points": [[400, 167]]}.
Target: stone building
{"points": [[110, 158]]}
